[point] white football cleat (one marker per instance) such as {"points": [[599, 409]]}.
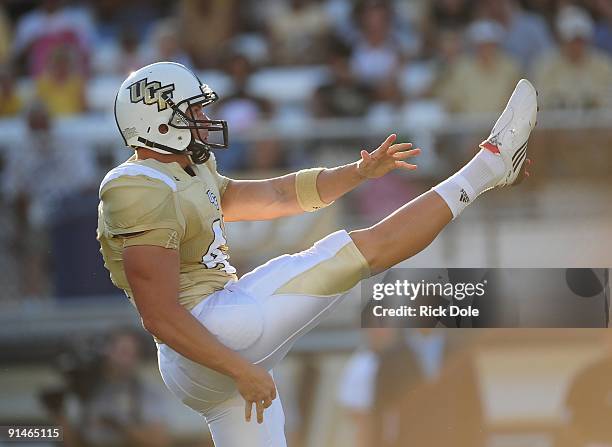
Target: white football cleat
{"points": [[510, 133]]}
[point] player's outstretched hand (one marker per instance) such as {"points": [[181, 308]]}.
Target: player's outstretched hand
{"points": [[387, 157], [256, 386]]}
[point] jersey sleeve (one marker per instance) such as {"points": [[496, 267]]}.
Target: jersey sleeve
{"points": [[142, 211], [221, 180]]}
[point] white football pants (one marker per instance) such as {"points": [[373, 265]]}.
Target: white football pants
{"points": [[260, 316]]}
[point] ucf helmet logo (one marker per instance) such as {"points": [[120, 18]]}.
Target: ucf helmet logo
{"points": [[150, 93]]}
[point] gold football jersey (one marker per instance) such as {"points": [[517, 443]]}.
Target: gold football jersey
{"points": [[147, 202]]}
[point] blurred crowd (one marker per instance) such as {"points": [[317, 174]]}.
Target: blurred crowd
{"points": [[103, 401], [373, 59], [427, 387], [473, 49], [402, 387]]}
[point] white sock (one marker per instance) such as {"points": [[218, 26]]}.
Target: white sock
{"points": [[480, 174]]}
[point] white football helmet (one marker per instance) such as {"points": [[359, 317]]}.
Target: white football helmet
{"points": [[152, 111]]}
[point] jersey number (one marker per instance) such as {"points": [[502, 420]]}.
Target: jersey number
{"points": [[215, 255]]}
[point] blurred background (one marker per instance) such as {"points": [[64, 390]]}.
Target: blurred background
{"points": [[305, 83]]}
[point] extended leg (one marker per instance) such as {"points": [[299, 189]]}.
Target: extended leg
{"points": [[404, 233], [415, 225]]}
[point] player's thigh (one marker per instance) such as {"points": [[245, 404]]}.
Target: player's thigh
{"points": [[331, 266], [229, 428], [287, 318], [296, 291], [283, 298]]}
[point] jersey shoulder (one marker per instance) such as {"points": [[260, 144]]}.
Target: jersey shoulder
{"points": [[221, 180], [135, 197]]}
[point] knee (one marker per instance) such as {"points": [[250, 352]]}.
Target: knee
{"points": [[371, 246]]}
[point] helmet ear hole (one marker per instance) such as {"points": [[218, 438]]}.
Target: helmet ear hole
{"points": [[163, 129]]}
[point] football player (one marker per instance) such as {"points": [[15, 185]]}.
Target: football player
{"points": [[161, 231]]}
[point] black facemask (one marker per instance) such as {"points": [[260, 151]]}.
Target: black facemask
{"points": [[198, 150]]}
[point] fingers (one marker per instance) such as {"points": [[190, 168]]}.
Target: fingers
{"points": [[404, 165], [399, 147], [260, 411], [388, 142], [384, 147], [365, 156], [406, 154], [394, 151], [248, 407], [260, 406], [388, 148]]}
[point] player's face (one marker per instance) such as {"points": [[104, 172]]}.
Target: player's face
{"points": [[196, 112]]}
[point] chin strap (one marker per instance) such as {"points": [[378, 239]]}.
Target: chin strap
{"points": [[159, 146], [199, 152]]}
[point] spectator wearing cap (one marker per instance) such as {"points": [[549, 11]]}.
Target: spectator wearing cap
{"points": [[487, 72], [526, 36], [577, 76]]}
